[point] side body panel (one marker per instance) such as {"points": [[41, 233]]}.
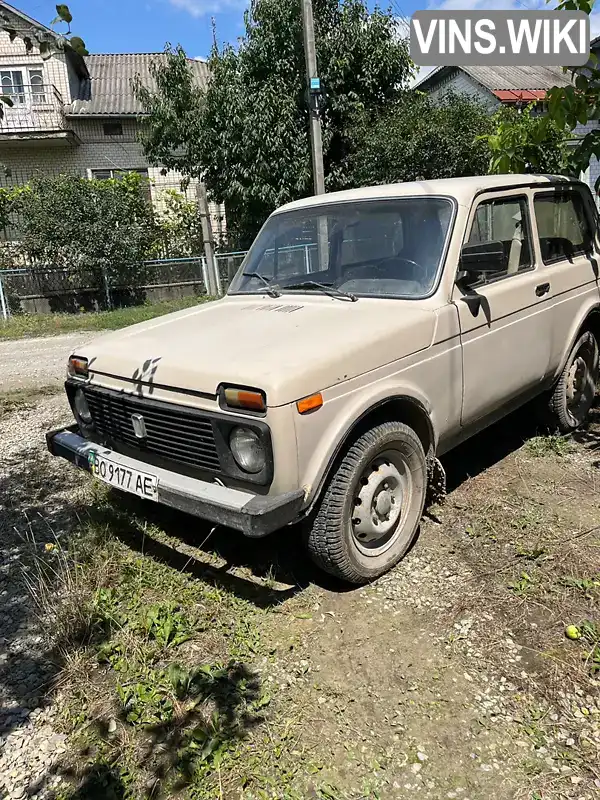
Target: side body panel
{"points": [[574, 288], [432, 378], [506, 338]]}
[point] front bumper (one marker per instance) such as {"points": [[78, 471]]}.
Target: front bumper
{"points": [[251, 514]]}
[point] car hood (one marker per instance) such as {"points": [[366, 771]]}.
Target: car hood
{"points": [[290, 347]]}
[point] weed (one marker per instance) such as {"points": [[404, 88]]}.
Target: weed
{"points": [[167, 624], [531, 553], [544, 446], [587, 586], [145, 703], [522, 585]]}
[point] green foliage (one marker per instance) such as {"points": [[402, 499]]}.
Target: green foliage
{"points": [[167, 625], [248, 133], [180, 228], [87, 224], [419, 139], [527, 142], [522, 585]]}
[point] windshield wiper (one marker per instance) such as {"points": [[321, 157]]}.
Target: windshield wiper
{"points": [[272, 291], [332, 291]]}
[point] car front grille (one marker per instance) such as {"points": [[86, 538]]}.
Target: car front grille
{"points": [[174, 432]]}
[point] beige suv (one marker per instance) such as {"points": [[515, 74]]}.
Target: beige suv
{"points": [[366, 334]]}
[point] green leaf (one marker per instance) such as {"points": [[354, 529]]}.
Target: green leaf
{"points": [[78, 45], [63, 13]]}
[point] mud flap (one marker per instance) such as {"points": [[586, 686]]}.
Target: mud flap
{"points": [[436, 482]]}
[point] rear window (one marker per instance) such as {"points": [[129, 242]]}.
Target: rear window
{"points": [[563, 226]]}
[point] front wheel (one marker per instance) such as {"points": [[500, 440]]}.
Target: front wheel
{"points": [[575, 390], [372, 505]]}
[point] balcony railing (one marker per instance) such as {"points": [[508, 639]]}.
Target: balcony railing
{"points": [[36, 109]]}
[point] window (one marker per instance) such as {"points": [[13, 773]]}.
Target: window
{"points": [[386, 248], [113, 129], [12, 85], [36, 81], [563, 226], [506, 221], [24, 86]]}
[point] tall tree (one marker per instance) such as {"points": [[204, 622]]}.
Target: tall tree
{"points": [[418, 138], [248, 133]]}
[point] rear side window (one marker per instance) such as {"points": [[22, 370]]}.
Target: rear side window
{"points": [[506, 221], [563, 226]]}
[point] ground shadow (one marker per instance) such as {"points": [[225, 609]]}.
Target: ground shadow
{"points": [[279, 558]]}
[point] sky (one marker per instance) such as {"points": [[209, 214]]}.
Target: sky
{"points": [[138, 26]]}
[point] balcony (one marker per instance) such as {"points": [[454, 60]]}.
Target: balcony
{"points": [[36, 116]]}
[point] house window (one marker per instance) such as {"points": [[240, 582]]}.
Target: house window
{"points": [[113, 128], [24, 85]]}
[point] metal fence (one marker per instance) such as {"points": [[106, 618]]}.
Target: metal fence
{"points": [[38, 290]]}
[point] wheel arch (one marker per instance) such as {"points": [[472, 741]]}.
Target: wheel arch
{"points": [[590, 321], [398, 408]]}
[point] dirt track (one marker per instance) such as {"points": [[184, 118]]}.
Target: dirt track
{"points": [[29, 363]]}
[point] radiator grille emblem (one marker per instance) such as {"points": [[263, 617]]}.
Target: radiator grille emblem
{"points": [[139, 426]]}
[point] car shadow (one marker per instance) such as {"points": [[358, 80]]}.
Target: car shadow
{"points": [[265, 571]]}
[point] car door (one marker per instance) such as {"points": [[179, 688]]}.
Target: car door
{"points": [[504, 316], [565, 219]]}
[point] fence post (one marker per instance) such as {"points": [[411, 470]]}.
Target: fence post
{"points": [[3, 302], [106, 289], [205, 274]]}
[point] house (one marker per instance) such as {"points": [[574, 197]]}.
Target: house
{"points": [[72, 114], [506, 86]]}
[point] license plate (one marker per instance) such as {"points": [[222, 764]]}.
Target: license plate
{"points": [[124, 478]]}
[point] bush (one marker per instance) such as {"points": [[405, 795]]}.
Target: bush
{"points": [[91, 225]]}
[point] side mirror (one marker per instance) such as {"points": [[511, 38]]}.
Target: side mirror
{"points": [[482, 257]]}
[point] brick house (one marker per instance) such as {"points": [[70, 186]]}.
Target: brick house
{"points": [[75, 115], [514, 86]]}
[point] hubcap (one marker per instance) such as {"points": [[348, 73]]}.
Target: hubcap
{"points": [[378, 504]]}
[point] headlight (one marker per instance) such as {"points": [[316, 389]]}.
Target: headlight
{"points": [[247, 450], [82, 410]]}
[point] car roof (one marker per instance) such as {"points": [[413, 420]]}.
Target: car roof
{"points": [[462, 189]]}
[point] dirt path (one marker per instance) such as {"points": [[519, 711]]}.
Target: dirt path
{"points": [[451, 677], [28, 363]]}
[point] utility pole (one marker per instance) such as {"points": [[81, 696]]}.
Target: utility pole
{"points": [[314, 93], [212, 278]]}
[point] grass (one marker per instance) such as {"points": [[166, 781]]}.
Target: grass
{"points": [[157, 685], [20, 326], [25, 399]]}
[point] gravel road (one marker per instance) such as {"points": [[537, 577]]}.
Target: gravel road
{"points": [[26, 363]]}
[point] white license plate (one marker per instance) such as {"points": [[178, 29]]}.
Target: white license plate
{"points": [[124, 478]]}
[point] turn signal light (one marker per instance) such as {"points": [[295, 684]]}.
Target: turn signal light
{"points": [[308, 404], [245, 398], [78, 366]]}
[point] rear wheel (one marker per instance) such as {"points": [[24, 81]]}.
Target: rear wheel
{"points": [[575, 390], [372, 505]]}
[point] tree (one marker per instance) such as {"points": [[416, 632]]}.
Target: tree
{"points": [[419, 139], [247, 135], [567, 107], [523, 141]]}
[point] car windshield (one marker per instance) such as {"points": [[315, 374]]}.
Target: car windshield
{"points": [[387, 248]]}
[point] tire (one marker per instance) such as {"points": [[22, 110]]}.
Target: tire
{"points": [[574, 392], [343, 538]]}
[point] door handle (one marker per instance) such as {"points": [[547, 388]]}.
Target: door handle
{"points": [[542, 289]]}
